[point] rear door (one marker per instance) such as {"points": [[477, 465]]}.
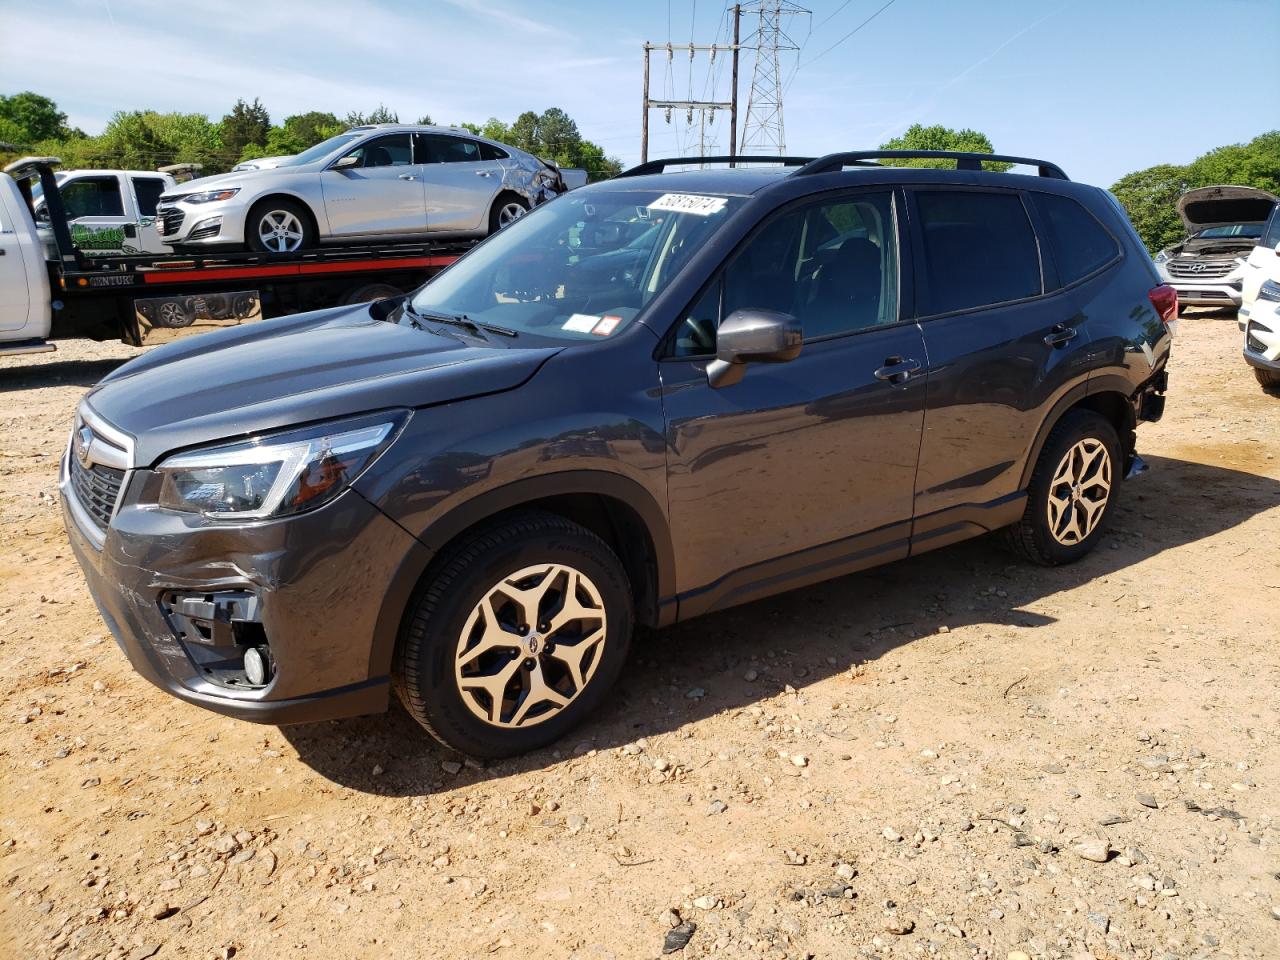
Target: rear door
{"points": [[381, 195], [803, 467], [1001, 351], [462, 178], [146, 196]]}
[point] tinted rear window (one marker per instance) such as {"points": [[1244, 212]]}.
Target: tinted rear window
{"points": [[1079, 242], [147, 190], [1271, 235], [979, 249]]}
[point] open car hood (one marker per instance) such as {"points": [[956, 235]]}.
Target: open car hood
{"points": [[1222, 206]]}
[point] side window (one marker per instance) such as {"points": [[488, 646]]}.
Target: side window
{"points": [[92, 197], [489, 152], [833, 265], [1079, 242], [979, 249], [1271, 232], [389, 151], [147, 190], [442, 148]]}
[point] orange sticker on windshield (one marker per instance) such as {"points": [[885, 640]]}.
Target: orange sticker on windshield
{"points": [[608, 323]]}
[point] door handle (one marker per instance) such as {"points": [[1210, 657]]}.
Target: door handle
{"points": [[407, 176], [483, 173], [898, 369], [1060, 335]]}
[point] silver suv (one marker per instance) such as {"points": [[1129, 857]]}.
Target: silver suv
{"points": [[377, 182]]}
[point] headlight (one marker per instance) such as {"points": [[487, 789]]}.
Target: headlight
{"points": [[1162, 256], [1270, 290], [209, 196], [275, 476]]}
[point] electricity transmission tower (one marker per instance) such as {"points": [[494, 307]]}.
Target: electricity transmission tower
{"points": [[762, 130]]}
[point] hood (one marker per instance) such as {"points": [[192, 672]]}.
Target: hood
{"points": [[1223, 206], [293, 371], [236, 178]]}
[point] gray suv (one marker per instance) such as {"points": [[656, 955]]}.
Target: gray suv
{"points": [[651, 398]]}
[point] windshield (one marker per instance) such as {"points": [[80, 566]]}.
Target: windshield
{"points": [[1231, 230], [320, 150], [580, 267]]}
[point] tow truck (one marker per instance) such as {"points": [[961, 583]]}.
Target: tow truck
{"points": [[52, 291]]}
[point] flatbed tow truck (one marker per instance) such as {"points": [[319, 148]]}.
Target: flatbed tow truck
{"points": [[47, 295]]}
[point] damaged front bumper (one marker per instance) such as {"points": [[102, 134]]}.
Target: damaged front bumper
{"points": [[186, 600]]}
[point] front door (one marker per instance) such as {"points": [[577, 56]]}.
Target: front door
{"points": [[460, 182], [380, 195], [802, 469], [96, 214], [15, 295]]}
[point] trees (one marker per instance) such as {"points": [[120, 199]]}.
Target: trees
{"points": [[1150, 196], [380, 114], [938, 137], [247, 123], [27, 118]]}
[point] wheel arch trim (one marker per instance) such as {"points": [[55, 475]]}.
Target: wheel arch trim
{"points": [[1077, 396]]}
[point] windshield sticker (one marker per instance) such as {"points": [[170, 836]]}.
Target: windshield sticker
{"points": [[608, 323], [689, 203], [581, 322]]}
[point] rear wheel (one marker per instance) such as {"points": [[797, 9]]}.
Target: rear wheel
{"points": [[277, 225], [516, 636], [1072, 493], [1268, 379], [507, 209]]}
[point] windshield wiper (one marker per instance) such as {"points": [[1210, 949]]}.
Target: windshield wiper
{"points": [[458, 320]]}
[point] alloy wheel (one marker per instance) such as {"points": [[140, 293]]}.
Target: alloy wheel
{"points": [[1079, 491], [530, 645], [280, 231], [509, 213]]}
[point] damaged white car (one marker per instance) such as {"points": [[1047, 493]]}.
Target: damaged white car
{"points": [[1223, 224], [372, 183]]}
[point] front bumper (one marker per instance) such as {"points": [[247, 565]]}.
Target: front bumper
{"points": [[188, 224], [320, 580], [1207, 293], [1262, 336]]}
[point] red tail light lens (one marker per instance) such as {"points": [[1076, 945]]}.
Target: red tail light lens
{"points": [[1165, 299]]}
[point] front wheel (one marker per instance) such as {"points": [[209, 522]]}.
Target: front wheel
{"points": [[279, 226], [515, 636], [1269, 380], [1072, 493]]}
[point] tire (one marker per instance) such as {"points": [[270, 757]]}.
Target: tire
{"points": [[175, 314], [371, 291], [505, 211], [1269, 380], [1052, 535], [447, 663], [278, 225]]}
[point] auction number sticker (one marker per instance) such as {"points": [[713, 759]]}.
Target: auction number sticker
{"points": [[581, 322], [689, 203]]}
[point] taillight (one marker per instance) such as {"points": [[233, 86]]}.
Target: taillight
{"points": [[1165, 299]]}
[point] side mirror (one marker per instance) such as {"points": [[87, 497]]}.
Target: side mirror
{"points": [[346, 163], [753, 336]]}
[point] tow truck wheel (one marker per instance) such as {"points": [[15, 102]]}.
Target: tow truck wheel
{"points": [[276, 225], [175, 314]]}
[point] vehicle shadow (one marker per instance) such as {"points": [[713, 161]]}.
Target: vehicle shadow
{"points": [[808, 635], [72, 373]]}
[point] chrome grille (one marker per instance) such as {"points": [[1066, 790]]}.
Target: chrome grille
{"points": [[170, 219], [1193, 268], [97, 488]]}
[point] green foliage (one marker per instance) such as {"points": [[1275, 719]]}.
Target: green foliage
{"points": [[379, 114], [938, 137], [27, 118], [553, 135], [247, 123], [1150, 196]]}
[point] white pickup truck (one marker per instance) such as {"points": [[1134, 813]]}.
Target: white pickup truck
{"points": [[111, 212]]}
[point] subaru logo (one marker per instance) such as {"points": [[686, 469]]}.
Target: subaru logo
{"points": [[84, 439]]}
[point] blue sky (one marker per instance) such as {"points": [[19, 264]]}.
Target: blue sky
{"points": [[1100, 86]]}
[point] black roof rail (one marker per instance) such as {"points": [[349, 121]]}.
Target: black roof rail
{"points": [[964, 161], [657, 166]]}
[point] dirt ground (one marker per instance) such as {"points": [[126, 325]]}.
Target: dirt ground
{"points": [[954, 756]]}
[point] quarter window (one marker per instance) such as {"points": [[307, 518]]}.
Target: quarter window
{"points": [[832, 265], [489, 152], [1079, 242], [390, 151], [979, 249]]}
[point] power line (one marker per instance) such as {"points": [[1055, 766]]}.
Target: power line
{"points": [[851, 32]]}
